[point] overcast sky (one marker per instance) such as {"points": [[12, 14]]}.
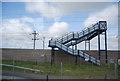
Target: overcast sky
{"points": [[53, 19]]}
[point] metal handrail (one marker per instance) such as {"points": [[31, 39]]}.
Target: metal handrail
{"points": [[75, 52], [81, 33], [21, 67], [72, 35]]}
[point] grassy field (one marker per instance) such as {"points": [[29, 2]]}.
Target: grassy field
{"points": [[82, 71]]}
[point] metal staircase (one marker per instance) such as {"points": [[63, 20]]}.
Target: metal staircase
{"points": [[74, 38]]}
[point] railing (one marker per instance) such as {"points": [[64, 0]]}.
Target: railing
{"points": [[63, 42], [101, 25], [75, 52], [87, 32], [35, 70], [79, 40]]}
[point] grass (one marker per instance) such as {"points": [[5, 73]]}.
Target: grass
{"points": [[81, 71]]}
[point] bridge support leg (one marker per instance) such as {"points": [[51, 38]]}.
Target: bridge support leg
{"points": [[52, 56], [76, 56], [89, 45], [85, 44], [99, 56], [106, 57]]}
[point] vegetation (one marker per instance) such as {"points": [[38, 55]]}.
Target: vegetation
{"points": [[81, 71]]}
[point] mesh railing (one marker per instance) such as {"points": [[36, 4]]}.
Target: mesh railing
{"points": [[73, 35], [75, 52], [59, 42]]}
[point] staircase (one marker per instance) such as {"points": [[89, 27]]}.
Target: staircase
{"points": [[71, 39]]}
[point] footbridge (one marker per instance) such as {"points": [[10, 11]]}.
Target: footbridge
{"points": [[73, 38]]}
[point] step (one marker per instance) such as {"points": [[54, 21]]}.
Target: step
{"points": [[101, 26], [75, 52]]}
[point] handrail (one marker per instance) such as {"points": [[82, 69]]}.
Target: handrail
{"points": [[63, 41], [75, 52], [21, 67], [69, 36]]}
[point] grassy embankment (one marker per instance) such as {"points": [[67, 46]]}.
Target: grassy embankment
{"points": [[83, 71]]}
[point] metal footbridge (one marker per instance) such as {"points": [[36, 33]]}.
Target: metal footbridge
{"points": [[74, 38]]}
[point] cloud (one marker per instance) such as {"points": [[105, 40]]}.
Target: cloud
{"points": [[109, 14], [58, 28], [61, 0], [27, 19], [44, 9], [36, 23], [15, 33], [18, 30], [81, 7], [112, 43], [59, 9], [14, 26]]}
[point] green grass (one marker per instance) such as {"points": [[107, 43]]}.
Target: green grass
{"points": [[82, 71]]}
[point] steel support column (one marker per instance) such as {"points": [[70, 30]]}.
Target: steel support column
{"points": [[106, 48], [52, 56], [99, 45], [72, 47], [76, 56], [85, 44], [89, 45]]}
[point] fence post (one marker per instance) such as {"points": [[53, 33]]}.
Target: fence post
{"points": [[47, 78], [61, 69]]}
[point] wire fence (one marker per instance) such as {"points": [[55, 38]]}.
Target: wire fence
{"points": [[64, 67]]}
